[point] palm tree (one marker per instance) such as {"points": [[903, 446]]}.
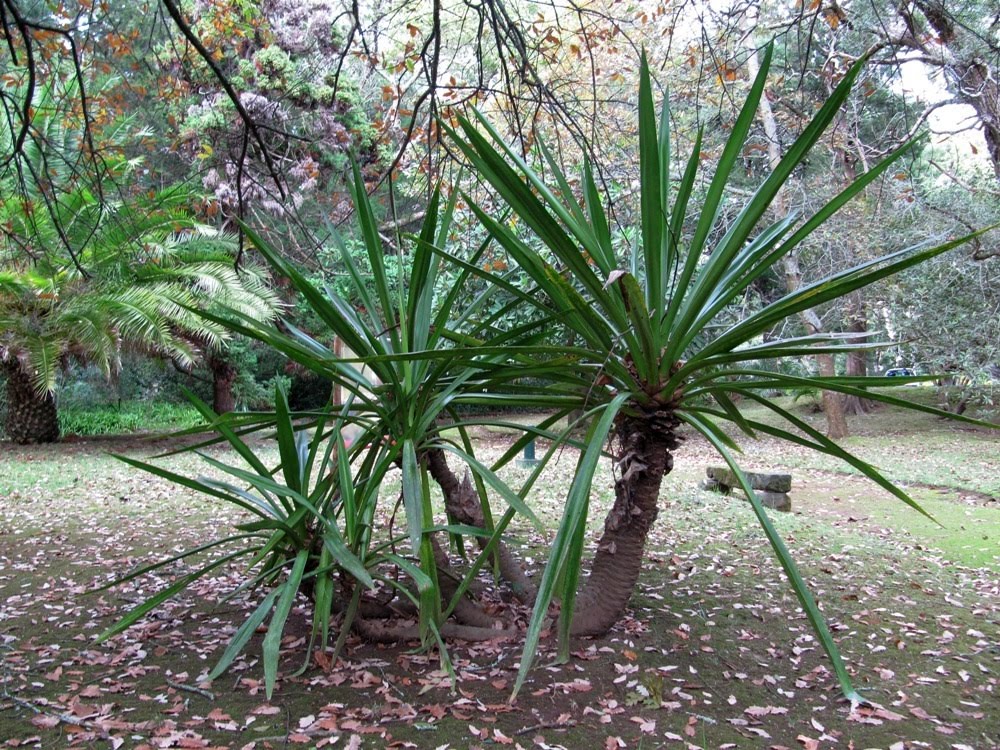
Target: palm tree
{"points": [[661, 352], [86, 270], [142, 283]]}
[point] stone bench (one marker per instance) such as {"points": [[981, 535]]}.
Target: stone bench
{"points": [[771, 489]]}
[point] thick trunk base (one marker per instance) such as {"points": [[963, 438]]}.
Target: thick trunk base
{"points": [[473, 617], [462, 503], [30, 418], [379, 631], [645, 446], [856, 407], [223, 377]]}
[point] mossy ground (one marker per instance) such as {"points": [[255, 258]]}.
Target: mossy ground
{"points": [[715, 651]]}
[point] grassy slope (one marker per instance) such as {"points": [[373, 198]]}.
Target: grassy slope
{"points": [[949, 468]]}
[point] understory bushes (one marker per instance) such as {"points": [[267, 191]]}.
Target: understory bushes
{"points": [[127, 418]]}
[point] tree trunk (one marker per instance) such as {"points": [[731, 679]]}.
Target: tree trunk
{"points": [[971, 75], [223, 377], [645, 457], [857, 365], [30, 418], [978, 78], [462, 503], [832, 402]]}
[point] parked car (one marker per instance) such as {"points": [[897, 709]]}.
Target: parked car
{"points": [[900, 372]]}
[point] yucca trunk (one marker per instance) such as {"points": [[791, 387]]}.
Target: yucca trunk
{"points": [[462, 503], [645, 457], [31, 418]]}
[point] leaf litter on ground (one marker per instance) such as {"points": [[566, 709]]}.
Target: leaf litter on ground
{"points": [[715, 651]]}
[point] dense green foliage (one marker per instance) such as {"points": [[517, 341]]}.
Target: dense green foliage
{"points": [[87, 271], [132, 417]]}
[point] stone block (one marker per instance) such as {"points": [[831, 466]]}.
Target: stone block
{"points": [[774, 500], [759, 481], [771, 489]]}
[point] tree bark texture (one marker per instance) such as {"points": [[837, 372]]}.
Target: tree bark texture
{"points": [[462, 504], [833, 403], [967, 68], [382, 631], [980, 88], [223, 377], [857, 364], [31, 418], [645, 456]]}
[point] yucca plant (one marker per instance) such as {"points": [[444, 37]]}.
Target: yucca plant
{"points": [[327, 523], [306, 521], [660, 352], [414, 359]]}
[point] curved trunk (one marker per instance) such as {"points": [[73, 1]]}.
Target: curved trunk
{"points": [[30, 418], [462, 504], [378, 631], [645, 458]]}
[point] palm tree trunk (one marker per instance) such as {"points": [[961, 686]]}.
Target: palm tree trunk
{"points": [[223, 377], [645, 458], [30, 418]]}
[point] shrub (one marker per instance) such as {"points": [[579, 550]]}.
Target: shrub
{"points": [[128, 418]]}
